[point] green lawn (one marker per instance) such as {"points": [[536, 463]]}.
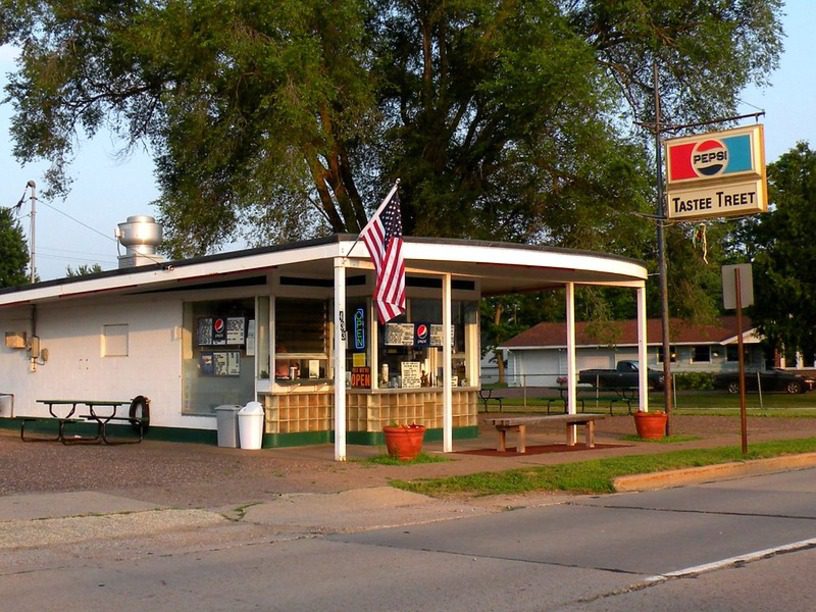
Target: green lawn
{"points": [[694, 402], [595, 476]]}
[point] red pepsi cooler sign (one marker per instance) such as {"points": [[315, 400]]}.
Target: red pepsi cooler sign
{"points": [[716, 174]]}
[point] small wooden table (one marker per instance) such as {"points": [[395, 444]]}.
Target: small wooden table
{"points": [[519, 424]]}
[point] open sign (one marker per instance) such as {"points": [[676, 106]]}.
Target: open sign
{"points": [[361, 377]]}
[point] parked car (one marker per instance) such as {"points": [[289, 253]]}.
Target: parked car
{"points": [[770, 380], [625, 374]]}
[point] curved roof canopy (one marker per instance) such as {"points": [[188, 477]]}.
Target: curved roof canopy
{"points": [[498, 267]]}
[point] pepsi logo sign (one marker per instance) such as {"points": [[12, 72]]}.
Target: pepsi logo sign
{"points": [[709, 158], [422, 331], [218, 325]]}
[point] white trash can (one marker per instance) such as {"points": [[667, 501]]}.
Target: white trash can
{"points": [[227, 422], [251, 425]]}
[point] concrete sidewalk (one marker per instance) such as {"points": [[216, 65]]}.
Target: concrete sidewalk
{"points": [[50, 493]]}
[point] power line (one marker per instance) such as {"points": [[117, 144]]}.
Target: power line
{"points": [[83, 224], [71, 258]]}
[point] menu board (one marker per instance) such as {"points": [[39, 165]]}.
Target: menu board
{"points": [[235, 330], [404, 334], [411, 375], [205, 331], [213, 331], [220, 363], [250, 338], [399, 334], [436, 335]]}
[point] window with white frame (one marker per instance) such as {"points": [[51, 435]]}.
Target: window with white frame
{"points": [[672, 352], [701, 353]]}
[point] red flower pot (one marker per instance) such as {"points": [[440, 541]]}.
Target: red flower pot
{"points": [[404, 441], [651, 425]]}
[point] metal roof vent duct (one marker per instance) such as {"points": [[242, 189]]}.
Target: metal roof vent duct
{"points": [[140, 235]]}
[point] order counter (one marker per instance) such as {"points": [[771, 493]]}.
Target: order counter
{"points": [[301, 410]]}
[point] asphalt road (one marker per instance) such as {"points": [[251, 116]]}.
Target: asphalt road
{"points": [[738, 545]]}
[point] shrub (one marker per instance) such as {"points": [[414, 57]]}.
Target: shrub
{"points": [[698, 381]]}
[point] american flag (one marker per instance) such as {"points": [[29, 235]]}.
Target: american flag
{"points": [[382, 236]]}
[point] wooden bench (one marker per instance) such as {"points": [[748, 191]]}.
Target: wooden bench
{"points": [[487, 396], [519, 424]]}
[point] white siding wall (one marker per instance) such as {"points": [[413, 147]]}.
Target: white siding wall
{"points": [[533, 368], [76, 367]]}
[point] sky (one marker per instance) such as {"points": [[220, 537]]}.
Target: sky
{"points": [[107, 190]]}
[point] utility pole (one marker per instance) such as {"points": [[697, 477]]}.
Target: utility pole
{"points": [[661, 258], [33, 186]]}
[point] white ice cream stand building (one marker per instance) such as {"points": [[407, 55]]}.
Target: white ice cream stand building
{"points": [[290, 326]]}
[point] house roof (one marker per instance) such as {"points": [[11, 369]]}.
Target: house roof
{"points": [[495, 267], [624, 333]]}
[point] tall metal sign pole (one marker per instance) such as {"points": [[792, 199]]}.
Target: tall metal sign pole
{"points": [[738, 292], [661, 258], [743, 412]]}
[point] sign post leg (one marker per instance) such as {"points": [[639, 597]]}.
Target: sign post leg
{"points": [[743, 414]]}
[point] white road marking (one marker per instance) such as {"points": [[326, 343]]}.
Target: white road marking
{"points": [[745, 558]]}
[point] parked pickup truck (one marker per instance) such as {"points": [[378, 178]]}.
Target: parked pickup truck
{"points": [[625, 374]]}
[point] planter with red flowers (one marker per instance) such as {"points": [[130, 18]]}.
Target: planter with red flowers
{"points": [[404, 441], [651, 425]]}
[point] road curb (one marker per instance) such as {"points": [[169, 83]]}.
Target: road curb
{"points": [[708, 473]]}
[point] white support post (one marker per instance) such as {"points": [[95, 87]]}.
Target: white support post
{"points": [[572, 370], [643, 364], [447, 372], [339, 359]]}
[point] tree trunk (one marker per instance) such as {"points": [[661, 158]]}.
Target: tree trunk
{"points": [[497, 315]]}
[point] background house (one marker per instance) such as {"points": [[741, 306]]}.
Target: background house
{"points": [[537, 356]]}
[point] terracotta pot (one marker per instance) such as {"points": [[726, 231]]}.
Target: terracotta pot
{"points": [[651, 425], [404, 441]]}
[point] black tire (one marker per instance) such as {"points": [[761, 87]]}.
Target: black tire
{"points": [[793, 387], [733, 387], [140, 409]]}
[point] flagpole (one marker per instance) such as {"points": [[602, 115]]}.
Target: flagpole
{"points": [[385, 201]]}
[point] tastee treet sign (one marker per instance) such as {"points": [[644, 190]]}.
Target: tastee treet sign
{"points": [[719, 174]]}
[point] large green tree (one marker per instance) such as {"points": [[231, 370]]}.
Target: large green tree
{"points": [[509, 120], [13, 251], [781, 247]]}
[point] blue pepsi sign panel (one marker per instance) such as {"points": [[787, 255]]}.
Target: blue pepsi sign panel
{"points": [[717, 174]]}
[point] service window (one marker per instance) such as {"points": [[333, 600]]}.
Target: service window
{"points": [[410, 346], [301, 339], [218, 354]]}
